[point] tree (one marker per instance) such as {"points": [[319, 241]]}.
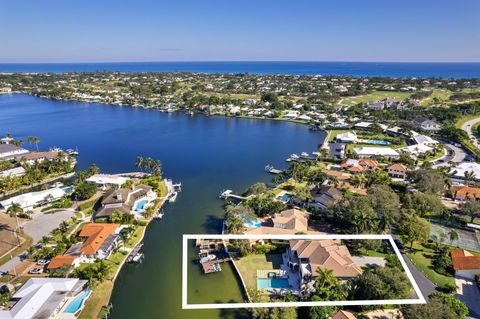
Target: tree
{"points": [[427, 180], [423, 203], [256, 189], [13, 211], [469, 177], [384, 201], [328, 287], [452, 302], [412, 229], [381, 283], [435, 308], [470, 208], [453, 235], [139, 162], [157, 168], [85, 190], [34, 140]]}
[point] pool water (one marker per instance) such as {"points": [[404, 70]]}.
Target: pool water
{"points": [[140, 205], [377, 142], [76, 304], [252, 224], [284, 198], [266, 283]]}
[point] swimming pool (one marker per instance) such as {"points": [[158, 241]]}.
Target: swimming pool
{"points": [[267, 283], [252, 224], [285, 197], [141, 205], [376, 142], [76, 304]]}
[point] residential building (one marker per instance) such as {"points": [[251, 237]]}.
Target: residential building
{"points": [[347, 137], [292, 219], [358, 165], [397, 170], [342, 314], [336, 150], [126, 201], [464, 193], [43, 298], [306, 256], [33, 157], [105, 181], [458, 172], [417, 149], [5, 90], [426, 124], [13, 172], [424, 139], [9, 151], [28, 200], [376, 152], [465, 264], [324, 196]]}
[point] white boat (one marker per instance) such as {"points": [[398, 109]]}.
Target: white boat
{"points": [[317, 154], [288, 159], [268, 168], [173, 197], [56, 185], [71, 152], [217, 267], [207, 258], [138, 258], [294, 156], [305, 154], [159, 215]]}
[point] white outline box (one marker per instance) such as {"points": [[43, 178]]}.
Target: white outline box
{"points": [[185, 305]]}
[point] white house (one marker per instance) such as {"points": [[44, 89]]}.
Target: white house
{"points": [[348, 137], [426, 125], [458, 172], [424, 139], [12, 172], [28, 200], [371, 151], [417, 149], [9, 151], [291, 115], [105, 181]]}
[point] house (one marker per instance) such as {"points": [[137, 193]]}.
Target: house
{"points": [[397, 171], [68, 262], [424, 139], [340, 176], [342, 314], [33, 157], [426, 124], [105, 181], [465, 264], [464, 193], [375, 152], [358, 165], [417, 149], [8, 151], [458, 172], [336, 150], [43, 298], [5, 90], [13, 172], [324, 196], [347, 137], [306, 256], [28, 200], [126, 201], [292, 219]]}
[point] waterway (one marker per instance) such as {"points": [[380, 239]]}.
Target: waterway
{"points": [[206, 154]]}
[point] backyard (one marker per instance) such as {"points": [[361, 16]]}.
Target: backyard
{"points": [[249, 265]]}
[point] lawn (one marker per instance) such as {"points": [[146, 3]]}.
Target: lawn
{"points": [[249, 265], [442, 96], [374, 96], [332, 134], [422, 258]]}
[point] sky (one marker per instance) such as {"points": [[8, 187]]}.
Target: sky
{"points": [[50, 31]]}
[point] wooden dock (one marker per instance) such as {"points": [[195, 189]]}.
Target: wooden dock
{"points": [[229, 194], [134, 252], [272, 170], [209, 266]]}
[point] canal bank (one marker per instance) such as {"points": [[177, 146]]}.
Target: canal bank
{"points": [[208, 154]]}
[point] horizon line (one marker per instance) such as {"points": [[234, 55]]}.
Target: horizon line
{"points": [[247, 61]]}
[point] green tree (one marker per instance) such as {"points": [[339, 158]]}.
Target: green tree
{"points": [[452, 302], [470, 208], [435, 308], [85, 190], [34, 140], [381, 283], [412, 229]]}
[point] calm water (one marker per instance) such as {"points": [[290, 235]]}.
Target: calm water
{"points": [[393, 69], [207, 154]]}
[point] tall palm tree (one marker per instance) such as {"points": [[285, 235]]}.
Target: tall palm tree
{"points": [[13, 211], [139, 162], [469, 177], [34, 140], [148, 165], [157, 168]]}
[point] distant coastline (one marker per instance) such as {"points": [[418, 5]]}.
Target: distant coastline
{"points": [[358, 69]]}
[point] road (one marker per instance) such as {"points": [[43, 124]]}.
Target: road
{"points": [[467, 127], [426, 286], [455, 154], [467, 291]]}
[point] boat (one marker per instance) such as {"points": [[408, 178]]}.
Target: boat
{"points": [[138, 258], [159, 214], [294, 157], [71, 151], [173, 197], [317, 154], [288, 160], [268, 168], [207, 258], [217, 267], [305, 155]]}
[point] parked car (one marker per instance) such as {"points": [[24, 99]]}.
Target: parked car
{"points": [[399, 244], [43, 262], [35, 271]]}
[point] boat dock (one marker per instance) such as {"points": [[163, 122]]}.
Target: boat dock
{"points": [[229, 194], [214, 265], [135, 251], [272, 170]]}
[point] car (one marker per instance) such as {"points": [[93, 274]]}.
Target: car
{"points": [[399, 244], [43, 262], [35, 271]]}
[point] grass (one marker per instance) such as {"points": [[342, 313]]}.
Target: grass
{"points": [[464, 119], [99, 297], [249, 265], [441, 94], [28, 241], [374, 96], [422, 257], [332, 134]]}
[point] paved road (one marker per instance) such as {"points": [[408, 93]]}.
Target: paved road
{"points": [[467, 127], [455, 154], [426, 286], [42, 224], [467, 291]]}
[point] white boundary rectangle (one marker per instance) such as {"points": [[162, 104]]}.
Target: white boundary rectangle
{"points": [[185, 305]]}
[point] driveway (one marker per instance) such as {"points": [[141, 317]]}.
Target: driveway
{"points": [[367, 261], [455, 154], [426, 286], [467, 127], [42, 224], [467, 291]]}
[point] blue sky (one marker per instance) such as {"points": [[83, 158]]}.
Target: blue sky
{"points": [[223, 30]]}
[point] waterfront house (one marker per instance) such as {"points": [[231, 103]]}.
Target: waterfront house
{"points": [[347, 137], [8, 151], [126, 201], [376, 152], [324, 196], [426, 124], [33, 157], [338, 175], [43, 297], [292, 219], [306, 256], [336, 150], [105, 181], [464, 193], [67, 262], [29, 200], [397, 170], [358, 165], [465, 264], [5, 90]]}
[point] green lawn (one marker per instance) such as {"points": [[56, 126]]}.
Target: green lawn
{"points": [[422, 258], [332, 134], [249, 265], [374, 96], [442, 96]]}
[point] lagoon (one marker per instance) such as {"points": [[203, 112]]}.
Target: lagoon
{"points": [[206, 154]]}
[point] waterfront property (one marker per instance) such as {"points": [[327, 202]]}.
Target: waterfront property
{"points": [[376, 152], [45, 298], [9, 151], [106, 181], [126, 201], [29, 200], [291, 221]]}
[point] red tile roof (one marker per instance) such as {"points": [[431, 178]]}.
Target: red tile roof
{"points": [[463, 260], [61, 261], [465, 192], [96, 233]]}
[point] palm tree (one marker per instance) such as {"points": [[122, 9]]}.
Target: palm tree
{"points": [[469, 177], [139, 162], [157, 168], [13, 211], [453, 235], [34, 140], [148, 164]]}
